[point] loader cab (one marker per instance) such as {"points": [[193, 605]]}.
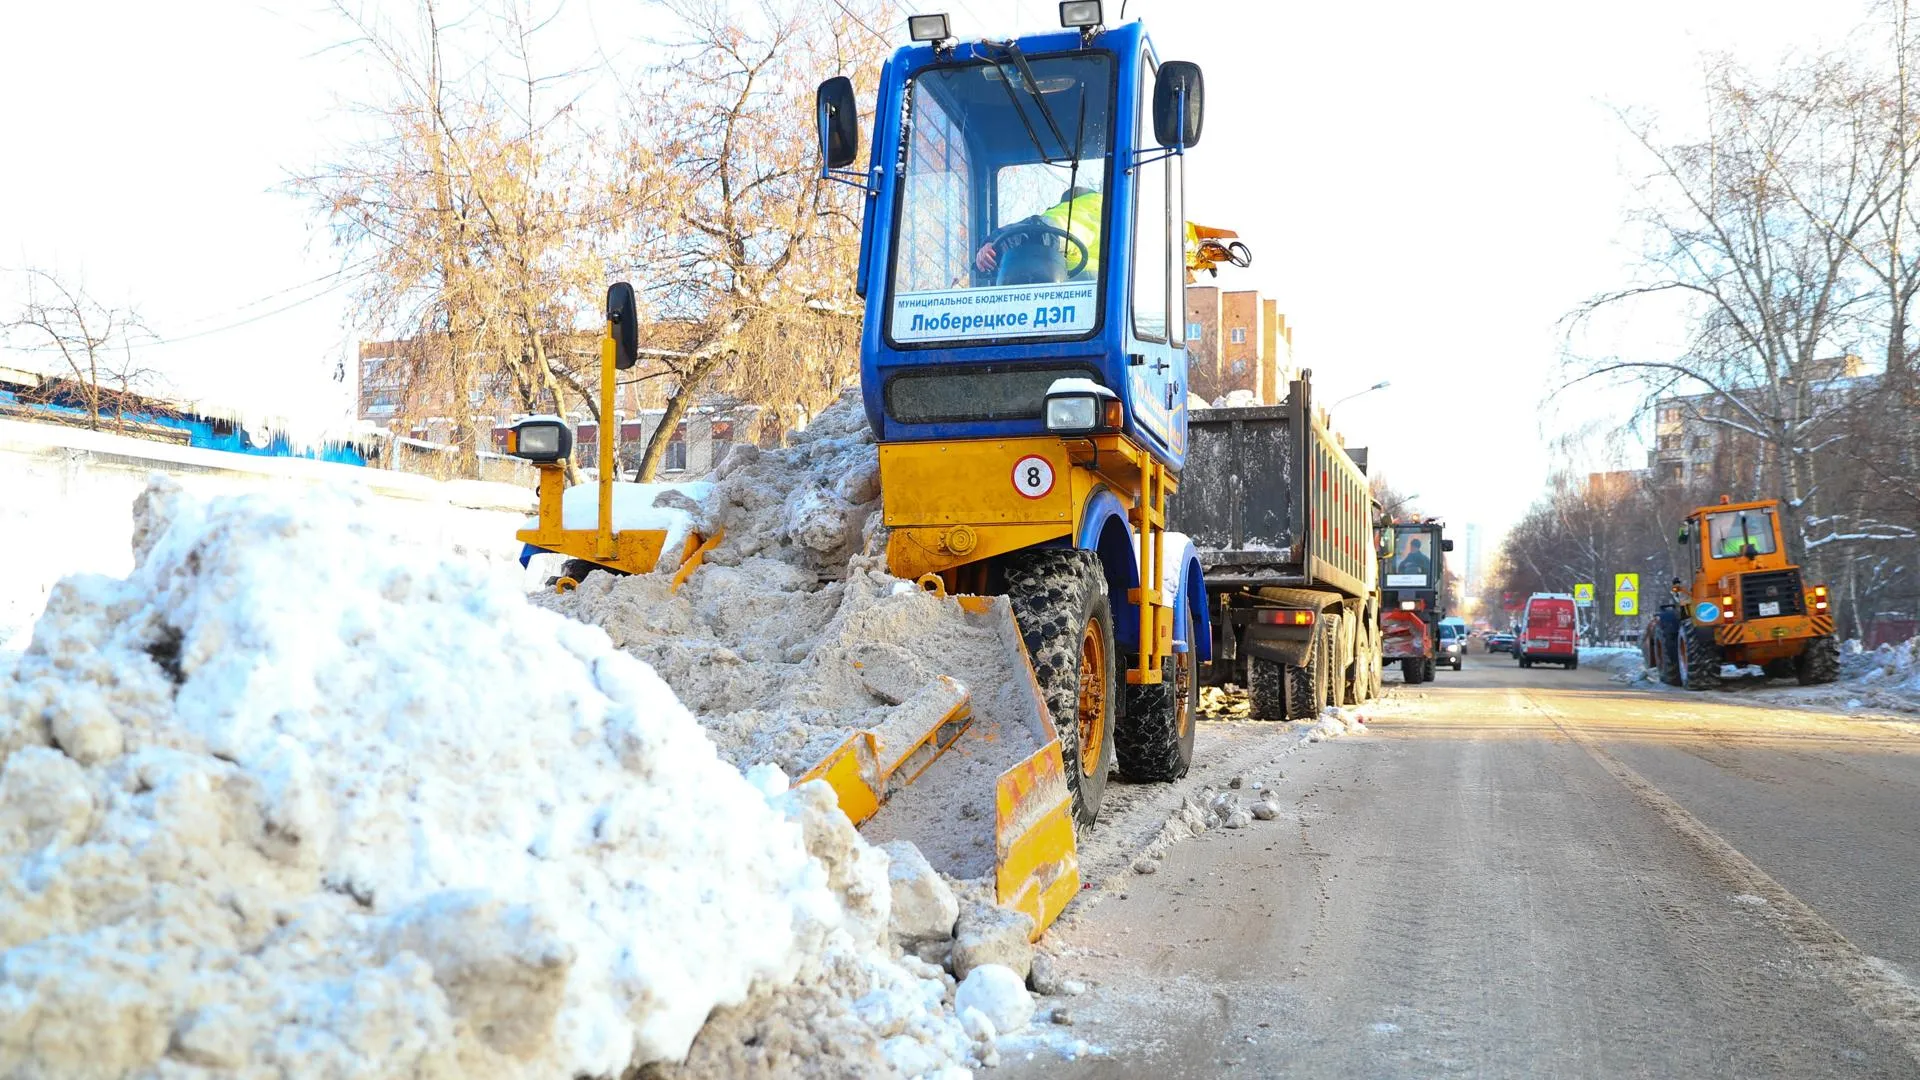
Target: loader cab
{"points": [[1024, 223], [1733, 538]]}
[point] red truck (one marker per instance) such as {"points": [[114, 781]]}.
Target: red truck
{"points": [[1548, 632]]}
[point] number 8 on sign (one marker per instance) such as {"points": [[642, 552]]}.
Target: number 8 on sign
{"points": [[1033, 476]]}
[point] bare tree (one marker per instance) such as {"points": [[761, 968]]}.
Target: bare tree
{"points": [[93, 340], [746, 253], [481, 209], [1754, 231]]}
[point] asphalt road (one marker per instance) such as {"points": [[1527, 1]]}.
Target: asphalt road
{"points": [[1531, 874]]}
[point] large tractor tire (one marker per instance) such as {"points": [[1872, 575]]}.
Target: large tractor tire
{"points": [[1307, 684], [1153, 739], [1699, 660], [1819, 662], [1411, 669], [1426, 670], [1059, 599], [1266, 689]]}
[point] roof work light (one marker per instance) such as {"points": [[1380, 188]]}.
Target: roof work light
{"points": [[927, 27], [540, 439], [1079, 13]]}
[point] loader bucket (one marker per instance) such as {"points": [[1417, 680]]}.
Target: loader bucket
{"points": [[1035, 863], [1036, 860]]}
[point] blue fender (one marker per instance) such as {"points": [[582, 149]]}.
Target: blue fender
{"points": [[1104, 531], [1191, 594]]}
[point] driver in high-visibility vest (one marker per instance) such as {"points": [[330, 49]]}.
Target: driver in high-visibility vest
{"points": [[1078, 214]]}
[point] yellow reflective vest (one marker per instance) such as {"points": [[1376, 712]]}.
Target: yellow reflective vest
{"points": [[1084, 225]]}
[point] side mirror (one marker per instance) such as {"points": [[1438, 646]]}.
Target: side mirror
{"points": [[623, 323], [1446, 545], [1682, 539], [1178, 99], [838, 118]]}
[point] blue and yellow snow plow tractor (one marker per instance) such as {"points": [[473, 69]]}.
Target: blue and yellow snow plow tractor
{"points": [[1024, 257]]}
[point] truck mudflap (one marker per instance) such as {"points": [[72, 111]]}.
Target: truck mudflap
{"points": [[1036, 865]]}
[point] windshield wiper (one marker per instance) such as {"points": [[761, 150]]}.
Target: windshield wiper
{"points": [[1033, 87], [1007, 79]]}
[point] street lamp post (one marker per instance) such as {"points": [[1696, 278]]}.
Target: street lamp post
{"points": [[1381, 385]]}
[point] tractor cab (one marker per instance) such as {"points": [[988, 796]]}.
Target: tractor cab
{"points": [[1024, 225]]}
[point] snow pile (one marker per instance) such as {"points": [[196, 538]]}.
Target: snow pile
{"points": [[1625, 665], [302, 797], [1893, 667], [1334, 721], [666, 507], [791, 636]]}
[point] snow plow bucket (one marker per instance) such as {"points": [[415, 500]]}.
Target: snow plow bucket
{"points": [[1036, 866], [868, 766], [1036, 861]]}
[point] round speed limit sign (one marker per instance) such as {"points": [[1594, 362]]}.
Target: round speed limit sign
{"points": [[1033, 476]]}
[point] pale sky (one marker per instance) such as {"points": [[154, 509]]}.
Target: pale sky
{"points": [[1426, 187]]}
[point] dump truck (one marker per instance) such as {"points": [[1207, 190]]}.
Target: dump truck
{"points": [[1023, 258], [1279, 512], [1412, 601], [1746, 603]]}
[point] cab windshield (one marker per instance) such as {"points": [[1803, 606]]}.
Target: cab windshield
{"points": [[1002, 211], [1733, 533], [1412, 557]]}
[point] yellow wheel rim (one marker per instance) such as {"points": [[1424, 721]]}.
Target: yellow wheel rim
{"points": [[1093, 697]]}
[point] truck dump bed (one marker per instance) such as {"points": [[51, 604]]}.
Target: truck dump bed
{"points": [[1270, 497]]}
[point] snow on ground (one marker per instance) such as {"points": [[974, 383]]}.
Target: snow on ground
{"points": [[1880, 681], [304, 794]]}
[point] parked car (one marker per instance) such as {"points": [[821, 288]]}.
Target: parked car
{"points": [[1549, 629], [1453, 645], [1500, 642]]}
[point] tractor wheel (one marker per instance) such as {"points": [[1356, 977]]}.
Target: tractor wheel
{"points": [[1819, 662], [1699, 660], [1307, 684], [1410, 670], [1266, 689], [1426, 670], [1669, 662], [1153, 740], [1059, 599]]}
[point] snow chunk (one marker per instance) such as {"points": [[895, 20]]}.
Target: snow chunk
{"points": [[997, 994]]}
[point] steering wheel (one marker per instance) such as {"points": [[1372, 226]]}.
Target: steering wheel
{"points": [[1032, 228]]}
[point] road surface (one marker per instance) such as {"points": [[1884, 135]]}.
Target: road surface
{"points": [[1529, 874]]}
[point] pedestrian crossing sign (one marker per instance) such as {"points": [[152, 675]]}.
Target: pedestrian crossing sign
{"points": [[1626, 594], [1583, 593]]}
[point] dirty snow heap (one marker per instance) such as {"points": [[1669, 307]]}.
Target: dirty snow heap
{"points": [[300, 797]]}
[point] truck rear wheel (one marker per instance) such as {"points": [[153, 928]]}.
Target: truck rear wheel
{"points": [[1819, 662], [1266, 689], [1699, 660], [1153, 740], [1336, 684], [1307, 684], [1059, 599]]}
